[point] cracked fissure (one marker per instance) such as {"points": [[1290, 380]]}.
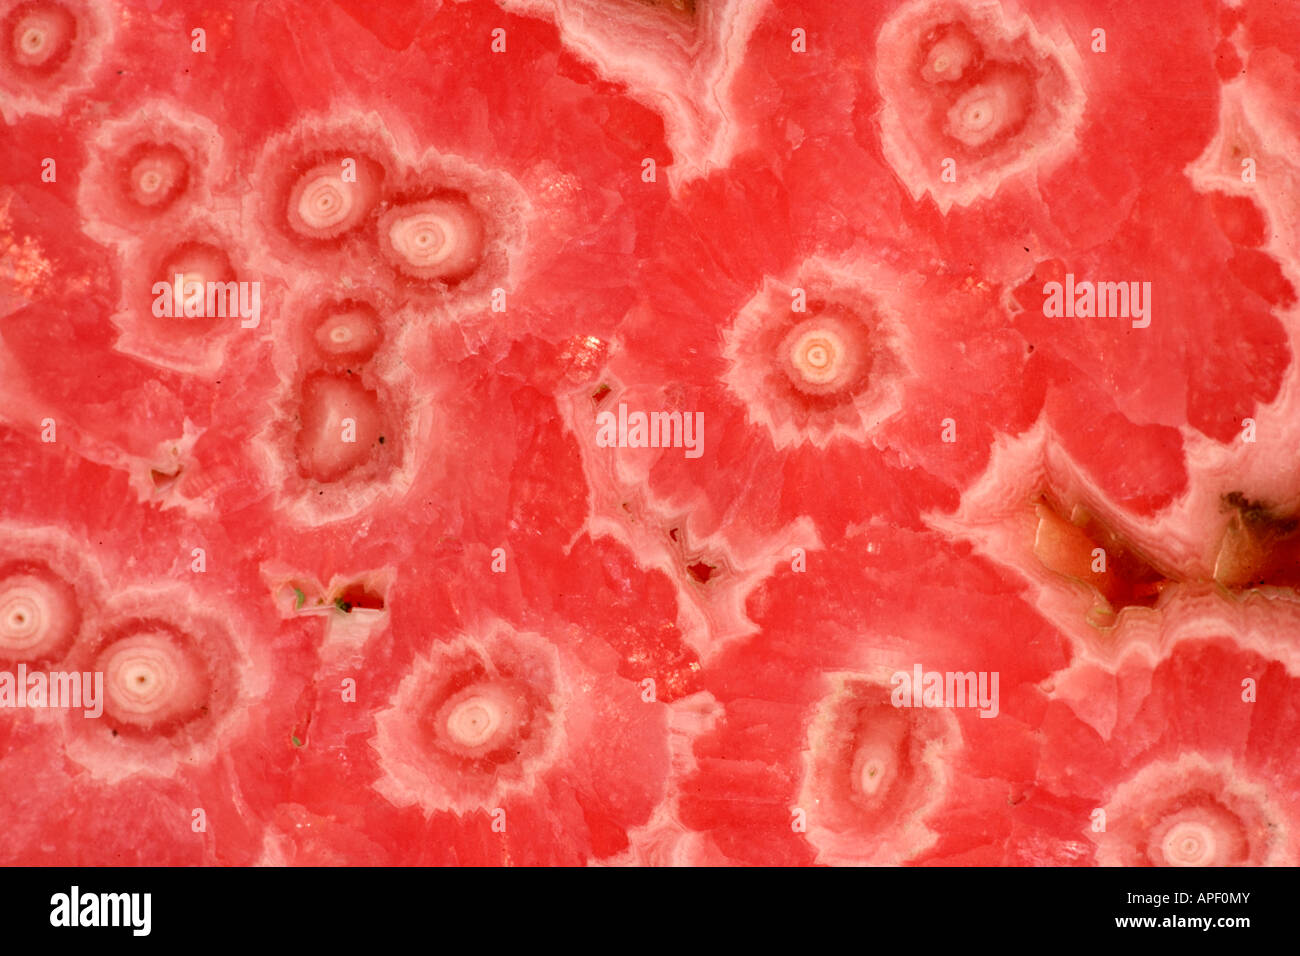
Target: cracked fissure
{"points": [[1259, 548]]}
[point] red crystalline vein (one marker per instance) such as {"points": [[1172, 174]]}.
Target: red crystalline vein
{"points": [[565, 432]]}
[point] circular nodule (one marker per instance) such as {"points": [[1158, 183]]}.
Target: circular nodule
{"points": [[331, 198], [473, 722], [987, 111], [40, 36], [347, 330], [872, 773], [949, 57], [38, 615], [1189, 812], [437, 240], [816, 355], [321, 205], [1188, 844], [154, 175], [975, 117], [479, 719], [823, 355], [153, 680], [187, 269]]}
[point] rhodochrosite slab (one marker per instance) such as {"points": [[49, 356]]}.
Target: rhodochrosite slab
{"points": [[633, 432]]}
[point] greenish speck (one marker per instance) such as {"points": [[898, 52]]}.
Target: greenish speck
{"points": [[301, 598], [296, 741]]}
